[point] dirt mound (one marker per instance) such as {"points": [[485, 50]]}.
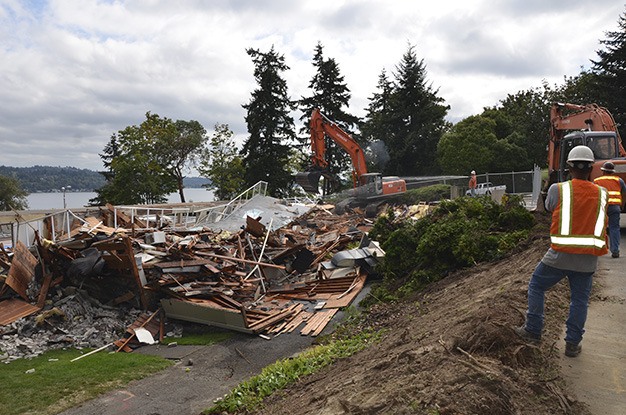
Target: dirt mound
{"points": [[450, 350]]}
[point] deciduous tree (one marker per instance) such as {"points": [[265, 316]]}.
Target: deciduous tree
{"points": [[11, 194], [486, 142], [181, 152], [529, 115], [136, 167], [222, 164]]}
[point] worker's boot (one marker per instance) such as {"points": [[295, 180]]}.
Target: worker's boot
{"points": [[572, 350], [526, 335]]}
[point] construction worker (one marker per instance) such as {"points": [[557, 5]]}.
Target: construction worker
{"points": [[473, 184], [616, 188], [578, 238]]}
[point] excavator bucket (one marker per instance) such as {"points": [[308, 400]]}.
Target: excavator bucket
{"points": [[309, 180]]}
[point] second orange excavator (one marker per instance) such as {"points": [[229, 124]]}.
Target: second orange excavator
{"points": [[590, 125]]}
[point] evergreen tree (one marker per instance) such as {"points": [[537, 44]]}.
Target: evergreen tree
{"points": [[417, 120], [611, 71], [375, 129], [330, 95], [271, 128]]}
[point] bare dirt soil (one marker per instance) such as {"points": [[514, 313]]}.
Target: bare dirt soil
{"points": [[451, 350]]}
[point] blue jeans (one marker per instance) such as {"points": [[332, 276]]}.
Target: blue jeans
{"points": [[544, 278], [613, 212]]}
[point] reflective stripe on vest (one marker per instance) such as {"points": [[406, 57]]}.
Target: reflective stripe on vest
{"points": [[590, 237], [612, 184]]}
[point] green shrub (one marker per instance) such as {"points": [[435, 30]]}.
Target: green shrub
{"points": [[457, 234], [426, 194]]}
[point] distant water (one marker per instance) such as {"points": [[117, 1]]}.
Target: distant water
{"points": [[42, 201]]}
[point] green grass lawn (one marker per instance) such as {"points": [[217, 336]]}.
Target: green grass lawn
{"points": [[57, 383]]}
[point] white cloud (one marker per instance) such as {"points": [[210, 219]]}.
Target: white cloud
{"points": [[72, 76]]}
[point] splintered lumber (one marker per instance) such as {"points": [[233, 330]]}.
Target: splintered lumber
{"points": [[226, 301], [319, 289], [294, 321], [94, 226], [264, 323], [245, 261], [296, 309], [344, 299], [318, 322], [22, 270]]}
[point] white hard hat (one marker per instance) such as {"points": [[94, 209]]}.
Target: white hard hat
{"points": [[580, 153], [473, 172]]}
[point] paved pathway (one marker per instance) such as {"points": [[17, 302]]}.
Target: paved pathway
{"points": [[598, 374]]}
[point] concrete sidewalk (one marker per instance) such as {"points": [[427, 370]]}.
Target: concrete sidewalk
{"points": [[598, 375]]}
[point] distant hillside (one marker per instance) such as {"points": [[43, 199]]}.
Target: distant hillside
{"points": [[38, 179], [195, 182]]}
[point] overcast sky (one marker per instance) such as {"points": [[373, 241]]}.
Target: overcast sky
{"points": [[73, 72]]}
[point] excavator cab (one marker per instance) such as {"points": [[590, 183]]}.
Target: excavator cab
{"points": [[604, 145]]}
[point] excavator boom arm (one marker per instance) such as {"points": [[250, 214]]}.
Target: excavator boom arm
{"points": [[322, 127]]}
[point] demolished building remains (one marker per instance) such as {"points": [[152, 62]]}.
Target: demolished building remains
{"points": [[115, 277]]}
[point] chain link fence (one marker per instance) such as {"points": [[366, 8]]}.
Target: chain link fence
{"points": [[523, 183]]}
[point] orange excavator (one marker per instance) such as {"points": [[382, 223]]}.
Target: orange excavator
{"points": [[590, 125], [367, 186]]}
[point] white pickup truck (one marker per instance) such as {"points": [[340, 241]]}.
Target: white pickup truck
{"points": [[486, 189]]}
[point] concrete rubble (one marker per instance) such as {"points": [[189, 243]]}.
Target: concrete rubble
{"points": [[269, 269]]}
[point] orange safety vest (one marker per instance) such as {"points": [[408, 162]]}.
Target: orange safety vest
{"points": [[611, 183], [579, 221]]}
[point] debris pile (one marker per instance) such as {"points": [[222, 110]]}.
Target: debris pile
{"points": [[99, 285]]}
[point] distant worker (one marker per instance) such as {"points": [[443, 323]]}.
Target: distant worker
{"points": [[578, 238], [617, 189], [473, 184]]}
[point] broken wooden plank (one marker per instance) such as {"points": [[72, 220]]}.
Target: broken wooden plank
{"points": [[22, 270], [13, 309], [318, 323], [245, 261], [298, 319], [259, 326], [346, 298]]}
